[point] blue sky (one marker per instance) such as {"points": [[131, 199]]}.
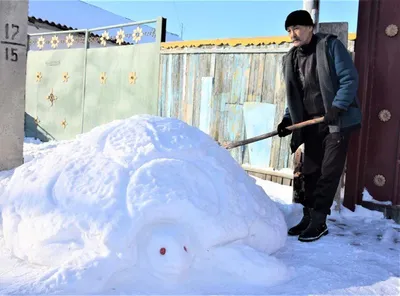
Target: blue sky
{"points": [[228, 19]]}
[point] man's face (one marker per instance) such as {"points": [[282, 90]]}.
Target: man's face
{"points": [[300, 35]]}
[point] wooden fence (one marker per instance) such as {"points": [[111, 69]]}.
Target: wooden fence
{"points": [[231, 90]]}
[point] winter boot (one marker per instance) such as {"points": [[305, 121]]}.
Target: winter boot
{"points": [[316, 229], [303, 224]]}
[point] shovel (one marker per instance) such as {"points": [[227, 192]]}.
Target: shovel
{"points": [[274, 133]]}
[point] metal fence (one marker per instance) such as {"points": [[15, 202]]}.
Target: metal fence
{"points": [[79, 79]]}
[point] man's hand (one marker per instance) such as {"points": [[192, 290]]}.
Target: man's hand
{"points": [[332, 115], [282, 131]]}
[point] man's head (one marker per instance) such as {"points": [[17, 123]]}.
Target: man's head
{"points": [[300, 26]]}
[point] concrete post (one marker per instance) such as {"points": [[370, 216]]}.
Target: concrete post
{"points": [[340, 29], [312, 6], [13, 44]]}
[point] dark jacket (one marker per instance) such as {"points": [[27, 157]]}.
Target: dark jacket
{"points": [[338, 79]]}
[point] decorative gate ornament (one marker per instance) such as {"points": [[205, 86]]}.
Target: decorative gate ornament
{"points": [[54, 41], [64, 123], [38, 76], [132, 77], [120, 36], [69, 40], [41, 42], [65, 77], [103, 77], [51, 97], [384, 115], [392, 30], [379, 180], [104, 37], [137, 34]]}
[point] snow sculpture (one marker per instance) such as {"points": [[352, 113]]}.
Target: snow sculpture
{"points": [[145, 198]]}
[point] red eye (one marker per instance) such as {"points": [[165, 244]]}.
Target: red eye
{"points": [[162, 251]]}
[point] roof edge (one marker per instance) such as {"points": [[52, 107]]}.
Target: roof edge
{"points": [[235, 41]]}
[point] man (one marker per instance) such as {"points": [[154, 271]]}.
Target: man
{"points": [[320, 80]]}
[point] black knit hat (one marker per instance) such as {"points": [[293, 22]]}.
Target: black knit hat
{"points": [[299, 18]]}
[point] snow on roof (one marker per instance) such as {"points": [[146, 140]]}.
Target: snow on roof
{"points": [[76, 14]]}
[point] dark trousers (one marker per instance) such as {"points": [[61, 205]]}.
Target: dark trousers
{"points": [[324, 160]]}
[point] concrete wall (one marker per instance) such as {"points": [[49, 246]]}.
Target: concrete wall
{"points": [[13, 41]]}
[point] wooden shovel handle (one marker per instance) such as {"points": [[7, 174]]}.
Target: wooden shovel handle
{"points": [[274, 133]]}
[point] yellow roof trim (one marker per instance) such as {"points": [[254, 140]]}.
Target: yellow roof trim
{"points": [[227, 41], [234, 41]]}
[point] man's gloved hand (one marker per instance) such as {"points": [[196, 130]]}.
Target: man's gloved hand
{"points": [[282, 131], [332, 115]]}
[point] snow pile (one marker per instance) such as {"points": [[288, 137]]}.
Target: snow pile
{"points": [[366, 196], [147, 200]]}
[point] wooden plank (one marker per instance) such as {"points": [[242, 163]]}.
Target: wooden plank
{"points": [[280, 103], [259, 119], [233, 128], [183, 72], [220, 117], [240, 73], [240, 78], [270, 69], [176, 86], [267, 171], [226, 68], [169, 99], [191, 75], [203, 70], [205, 107], [163, 86], [221, 92], [212, 65], [256, 80], [258, 175], [285, 157]]}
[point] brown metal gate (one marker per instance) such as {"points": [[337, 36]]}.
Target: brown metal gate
{"points": [[374, 157]]}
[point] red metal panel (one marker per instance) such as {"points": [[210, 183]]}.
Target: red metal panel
{"points": [[364, 48], [375, 151], [383, 136], [397, 180]]}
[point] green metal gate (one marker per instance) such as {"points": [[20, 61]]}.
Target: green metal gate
{"points": [[77, 80]]}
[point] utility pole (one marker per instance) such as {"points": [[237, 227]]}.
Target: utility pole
{"points": [[312, 6]]}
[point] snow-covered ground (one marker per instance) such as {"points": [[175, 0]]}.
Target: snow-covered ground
{"points": [[154, 206]]}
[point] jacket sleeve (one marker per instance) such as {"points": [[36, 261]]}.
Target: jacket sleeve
{"points": [[347, 76], [287, 114]]}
